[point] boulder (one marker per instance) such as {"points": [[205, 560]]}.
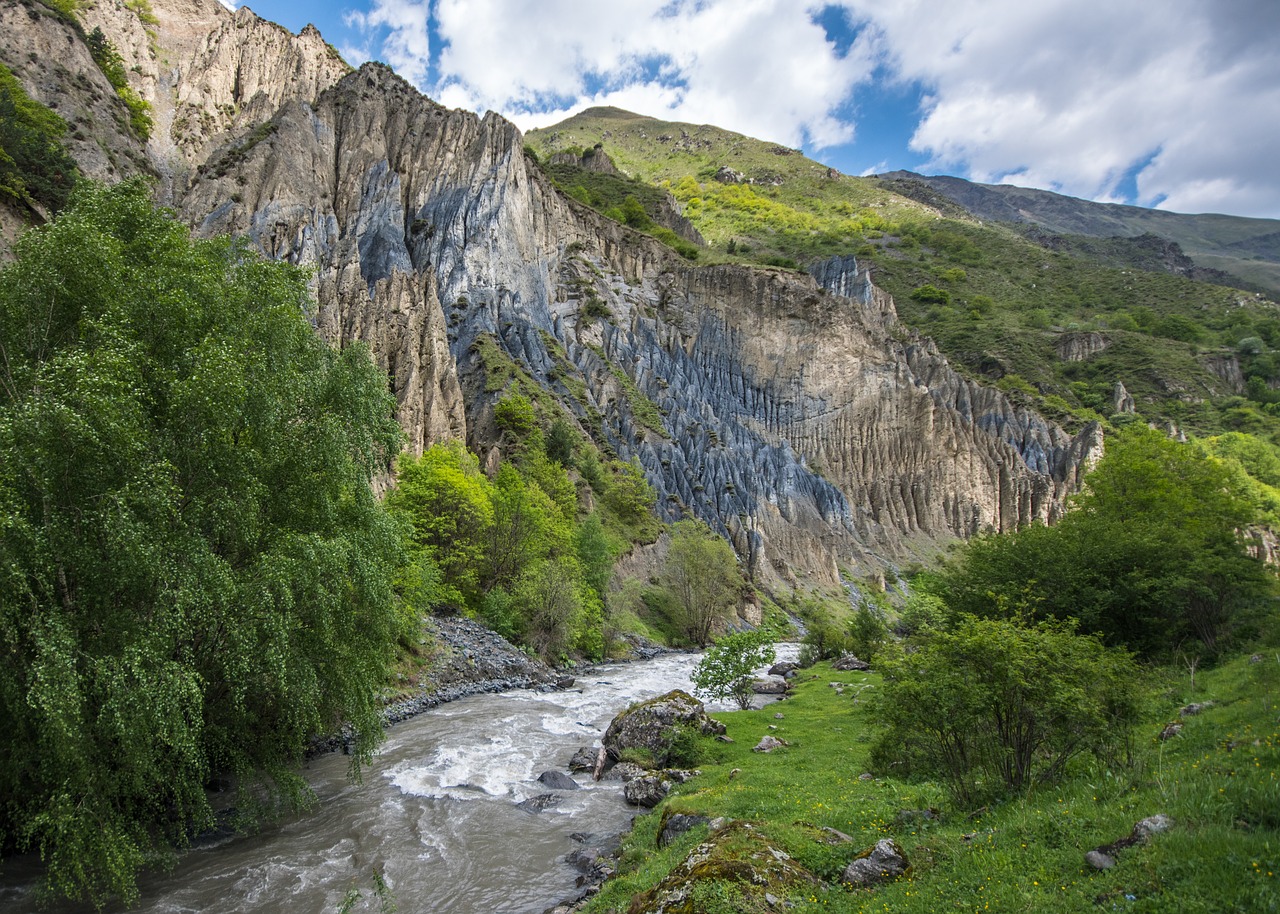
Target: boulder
{"points": [[647, 791], [849, 663], [676, 824], [782, 668], [541, 802], [769, 687], [1195, 708], [882, 863], [1170, 731], [759, 870], [583, 760], [625, 771], [557, 780], [653, 726], [1152, 825]]}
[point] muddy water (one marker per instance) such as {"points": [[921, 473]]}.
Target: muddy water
{"points": [[436, 815]]}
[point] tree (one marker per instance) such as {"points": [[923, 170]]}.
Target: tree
{"points": [[1151, 556], [702, 574], [992, 706], [195, 576], [728, 668]]}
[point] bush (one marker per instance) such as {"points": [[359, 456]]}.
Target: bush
{"points": [[931, 294], [993, 707], [728, 669]]}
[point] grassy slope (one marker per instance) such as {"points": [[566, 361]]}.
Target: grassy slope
{"points": [[1219, 780], [1006, 308]]}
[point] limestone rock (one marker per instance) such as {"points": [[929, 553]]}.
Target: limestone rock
{"points": [[882, 863], [540, 803], [583, 760], [676, 824], [1152, 825], [769, 687], [652, 726], [1099, 860], [783, 667]]}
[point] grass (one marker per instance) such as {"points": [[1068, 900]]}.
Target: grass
{"points": [[1219, 779]]}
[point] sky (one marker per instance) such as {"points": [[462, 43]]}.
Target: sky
{"points": [[1173, 104]]}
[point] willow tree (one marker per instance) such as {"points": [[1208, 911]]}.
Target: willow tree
{"points": [[195, 578]]}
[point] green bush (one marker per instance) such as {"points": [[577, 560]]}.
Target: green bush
{"points": [[992, 707], [728, 668], [35, 166]]}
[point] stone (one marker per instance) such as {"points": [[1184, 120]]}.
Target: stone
{"points": [[850, 663], [1195, 708], [653, 725], [583, 760], [557, 780], [835, 836], [882, 863], [769, 687], [1255, 658], [779, 716], [540, 803], [1152, 825], [736, 853], [1099, 860], [647, 791], [769, 743], [676, 824], [912, 817], [625, 771], [783, 667], [1170, 731]]}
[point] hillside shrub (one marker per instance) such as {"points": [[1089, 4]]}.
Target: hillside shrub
{"points": [[993, 707]]}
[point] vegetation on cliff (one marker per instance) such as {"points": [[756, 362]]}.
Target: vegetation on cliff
{"points": [[35, 168], [195, 576]]}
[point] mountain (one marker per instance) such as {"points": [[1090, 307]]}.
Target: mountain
{"points": [[1248, 250], [1117, 326], [793, 412]]}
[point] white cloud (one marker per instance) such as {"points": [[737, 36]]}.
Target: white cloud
{"points": [[761, 67], [1075, 95], [407, 45]]}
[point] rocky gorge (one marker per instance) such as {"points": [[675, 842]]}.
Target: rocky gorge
{"points": [[791, 411]]}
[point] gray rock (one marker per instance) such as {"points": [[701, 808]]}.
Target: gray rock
{"points": [[583, 760], [1170, 731], [835, 836], [1255, 658], [1195, 708], [653, 725], [769, 743], [882, 863], [916, 816], [541, 802], [557, 780], [769, 686], [849, 663], [1152, 825], [625, 771], [782, 668], [676, 824], [1099, 860], [647, 791]]}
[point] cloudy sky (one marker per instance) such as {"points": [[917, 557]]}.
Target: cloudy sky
{"points": [[1167, 103]]}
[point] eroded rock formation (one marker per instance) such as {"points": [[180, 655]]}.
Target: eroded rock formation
{"points": [[792, 412]]}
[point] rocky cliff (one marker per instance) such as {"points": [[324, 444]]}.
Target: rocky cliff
{"points": [[791, 411]]}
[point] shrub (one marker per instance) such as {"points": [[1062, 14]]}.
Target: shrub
{"points": [[728, 669], [931, 294], [993, 707]]}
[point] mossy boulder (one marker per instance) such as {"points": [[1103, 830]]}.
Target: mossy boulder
{"points": [[652, 729], [746, 863]]}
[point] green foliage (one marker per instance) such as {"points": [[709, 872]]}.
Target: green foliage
{"points": [[992, 707], [35, 167], [930, 294], [197, 578], [111, 64], [701, 572], [868, 632], [728, 668], [1151, 557]]}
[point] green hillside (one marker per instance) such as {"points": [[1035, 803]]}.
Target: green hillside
{"points": [[1005, 301]]}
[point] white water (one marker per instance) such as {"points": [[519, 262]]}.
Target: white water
{"points": [[436, 814]]}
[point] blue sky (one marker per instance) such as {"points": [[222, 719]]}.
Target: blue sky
{"points": [[1174, 103]]}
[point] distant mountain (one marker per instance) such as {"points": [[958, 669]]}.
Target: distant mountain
{"points": [[1246, 249]]}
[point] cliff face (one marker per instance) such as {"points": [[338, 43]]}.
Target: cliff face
{"points": [[792, 412]]}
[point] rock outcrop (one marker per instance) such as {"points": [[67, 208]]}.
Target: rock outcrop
{"points": [[791, 412], [653, 727]]}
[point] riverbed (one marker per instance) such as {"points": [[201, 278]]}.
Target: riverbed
{"points": [[436, 816]]}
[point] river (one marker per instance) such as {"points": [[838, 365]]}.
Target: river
{"points": [[436, 814]]}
